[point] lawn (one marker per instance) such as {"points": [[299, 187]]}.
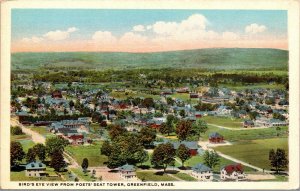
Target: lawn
{"points": [[20, 176], [199, 159], [255, 152], [26, 144], [239, 87], [224, 121], [185, 177], [151, 176], [251, 134], [81, 175], [91, 152]]}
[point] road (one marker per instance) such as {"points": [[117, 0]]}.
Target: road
{"points": [[38, 138], [236, 129]]}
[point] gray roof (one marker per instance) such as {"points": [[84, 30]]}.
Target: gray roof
{"points": [[35, 165], [200, 168], [126, 167], [188, 144]]}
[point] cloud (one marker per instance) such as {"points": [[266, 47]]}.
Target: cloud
{"points": [[133, 38], [230, 36], [104, 37], [255, 28], [138, 28], [33, 39], [193, 23], [59, 35]]}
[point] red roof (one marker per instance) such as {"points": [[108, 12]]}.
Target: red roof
{"points": [[233, 167]]}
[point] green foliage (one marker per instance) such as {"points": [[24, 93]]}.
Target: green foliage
{"points": [[116, 130], [183, 129], [40, 151], [278, 159], [16, 130], [85, 164], [30, 156], [211, 158], [163, 155], [147, 135], [55, 144], [141, 156], [106, 148], [198, 127], [57, 160], [16, 153], [183, 153]]}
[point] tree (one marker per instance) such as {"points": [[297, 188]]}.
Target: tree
{"points": [[183, 153], [278, 159], [141, 156], [163, 155], [148, 102], [57, 160], [16, 130], [40, 151], [182, 113], [55, 144], [211, 158], [183, 129], [147, 135], [198, 127], [116, 130], [30, 156], [106, 148], [16, 153], [253, 115], [85, 164]]}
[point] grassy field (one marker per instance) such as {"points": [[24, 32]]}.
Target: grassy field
{"points": [[184, 176], [239, 87], [151, 176], [91, 152], [255, 152], [224, 121], [41, 130], [231, 135], [19, 137], [26, 144]]}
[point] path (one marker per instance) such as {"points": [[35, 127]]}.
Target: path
{"points": [[236, 129]]}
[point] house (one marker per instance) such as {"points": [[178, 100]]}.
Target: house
{"points": [[191, 145], [182, 90], [216, 138], [127, 172], [265, 122], [22, 115], [194, 95], [248, 123], [35, 169], [202, 172], [232, 172]]}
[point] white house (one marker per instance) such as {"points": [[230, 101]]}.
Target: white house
{"points": [[35, 169], [232, 172], [202, 172], [127, 172]]}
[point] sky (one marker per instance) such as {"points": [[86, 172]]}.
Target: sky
{"points": [[61, 30]]}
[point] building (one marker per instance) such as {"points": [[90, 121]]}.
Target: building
{"points": [[202, 172], [127, 172], [216, 138], [35, 169], [232, 172], [191, 145], [56, 94], [265, 122], [248, 123]]}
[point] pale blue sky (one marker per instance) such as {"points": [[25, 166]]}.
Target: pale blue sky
{"points": [[30, 22]]}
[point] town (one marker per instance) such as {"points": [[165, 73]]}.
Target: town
{"points": [[149, 125]]}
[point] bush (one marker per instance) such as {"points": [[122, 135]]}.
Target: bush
{"points": [[16, 130]]}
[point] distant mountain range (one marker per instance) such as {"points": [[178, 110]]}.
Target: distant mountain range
{"points": [[208, 59]]}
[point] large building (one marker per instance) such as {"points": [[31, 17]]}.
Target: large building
{"points": [[202, 172], [35, 169]]}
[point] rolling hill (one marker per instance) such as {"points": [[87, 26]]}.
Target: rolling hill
{"points": [[210, 59]]}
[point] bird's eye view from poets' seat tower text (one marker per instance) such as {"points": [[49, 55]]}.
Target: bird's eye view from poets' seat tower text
{"points": [[144, 95]]}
